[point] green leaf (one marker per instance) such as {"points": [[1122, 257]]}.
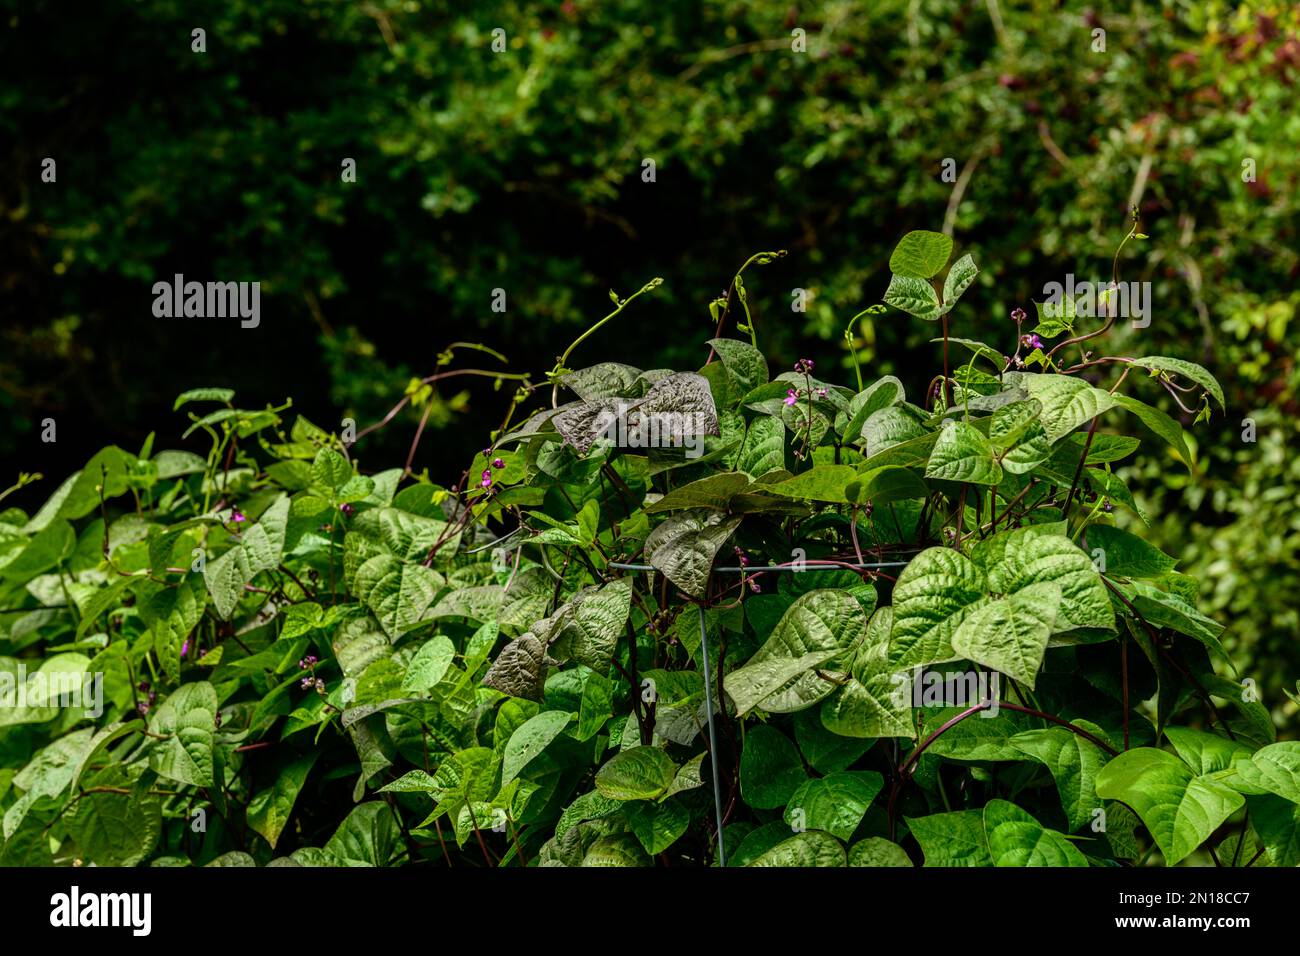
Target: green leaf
{"points": [[591, 623], [641, 773], [1053, 319], [397, 593], [684, 546], [102, 740], [867, 710], [914, 296], [921, 253], [172, 614], [1166, 610], [985, 737], [1276, 768], [885, 484], [330, 471], [46, 550], [59, 675], [880, 394], [1013, 422], [952, 839], [933, 595], [428, 665], [770, 768], [748, 686], [746, 363], [621, 850], [824, 751], [1161, 424], [116, 829], [819, 483], [1277, 822], [270, 811], [602, 381], [870, 703], [657, 825], [1205, 752], [963, 454], [877, 851], [1067, 402], [1188, 370], [203, 395], [895, 425], [1180, 808], [596, 705], [225, 577], [1030, 558], [960, 276], [1127, 555], [819, 622], [763, 448], [810, 849], [1010, 634], [977, 348], [1016, 839], [835, 803], [368, 837], [1073, 762], [713, 492], [519, 669], [187, 719], [47, 774], [530, 739]]}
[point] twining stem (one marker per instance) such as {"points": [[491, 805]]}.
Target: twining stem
{"points": [[1110, 318], [1078, 471], [848, 337], [908, 767], [561, 363]]}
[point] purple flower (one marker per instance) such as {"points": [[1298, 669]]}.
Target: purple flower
{"points": [[185, 648], [753, 585], [791, 396], [804, 366], [1031, 341], [742, 557], [498, 463], [308, 683], [821, 393], [347, 509], [306, 662], [237, 516], [487, 479], [1107, 506], [1018, 314], [142, 708]]}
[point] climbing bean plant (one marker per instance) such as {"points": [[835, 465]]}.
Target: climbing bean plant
{"points": [[934, 631]]}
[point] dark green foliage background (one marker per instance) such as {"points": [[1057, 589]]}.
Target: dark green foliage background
{"points": [[522, 171]]}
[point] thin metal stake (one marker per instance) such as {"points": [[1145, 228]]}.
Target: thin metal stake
{"points": [[704, 657], [713, 737]]}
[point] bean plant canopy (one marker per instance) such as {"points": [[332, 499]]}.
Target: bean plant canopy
{"points": [[713, 616]]}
